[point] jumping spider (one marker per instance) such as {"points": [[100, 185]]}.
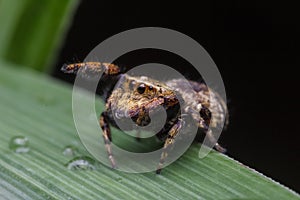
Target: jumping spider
{"points": [[140, 95]]}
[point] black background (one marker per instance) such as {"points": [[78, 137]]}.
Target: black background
{"points": [[255, 46]]}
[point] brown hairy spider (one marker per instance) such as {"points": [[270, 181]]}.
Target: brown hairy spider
{"points": [[140, 95]]}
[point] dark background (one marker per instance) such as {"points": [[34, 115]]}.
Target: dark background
{"points": [[255, 46]]}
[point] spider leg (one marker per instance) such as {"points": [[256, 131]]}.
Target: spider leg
{"points": [[107, 137], [213, 140], [168, 143], [211, 137], [88, 68], [138, 135]]}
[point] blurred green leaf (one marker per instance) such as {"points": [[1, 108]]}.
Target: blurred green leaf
{"points": [[39, 108], [32, 30]]}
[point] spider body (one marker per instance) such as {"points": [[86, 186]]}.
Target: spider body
{"points": [[136, 97]]}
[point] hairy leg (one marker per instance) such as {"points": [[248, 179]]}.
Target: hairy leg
{"points": [[168, 143], [107, 137], [211, 137]]}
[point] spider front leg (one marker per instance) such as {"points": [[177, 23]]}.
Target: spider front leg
{"points": [[168, 143], [107, 137], [90, 68]]}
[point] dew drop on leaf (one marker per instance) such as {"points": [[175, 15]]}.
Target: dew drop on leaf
{"points": [[70, 150], [19, 144], [81, 163], [119, 179]]}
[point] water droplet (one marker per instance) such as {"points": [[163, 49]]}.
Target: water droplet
{"points": [[70, 150], [19, 144], [119, 179], [81, 162]]}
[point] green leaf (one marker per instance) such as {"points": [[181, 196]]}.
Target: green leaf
{"points": [[32, 30], [39, 108]]}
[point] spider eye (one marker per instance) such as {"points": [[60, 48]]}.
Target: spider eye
{"points": [[132, 85], [141, 89]]}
